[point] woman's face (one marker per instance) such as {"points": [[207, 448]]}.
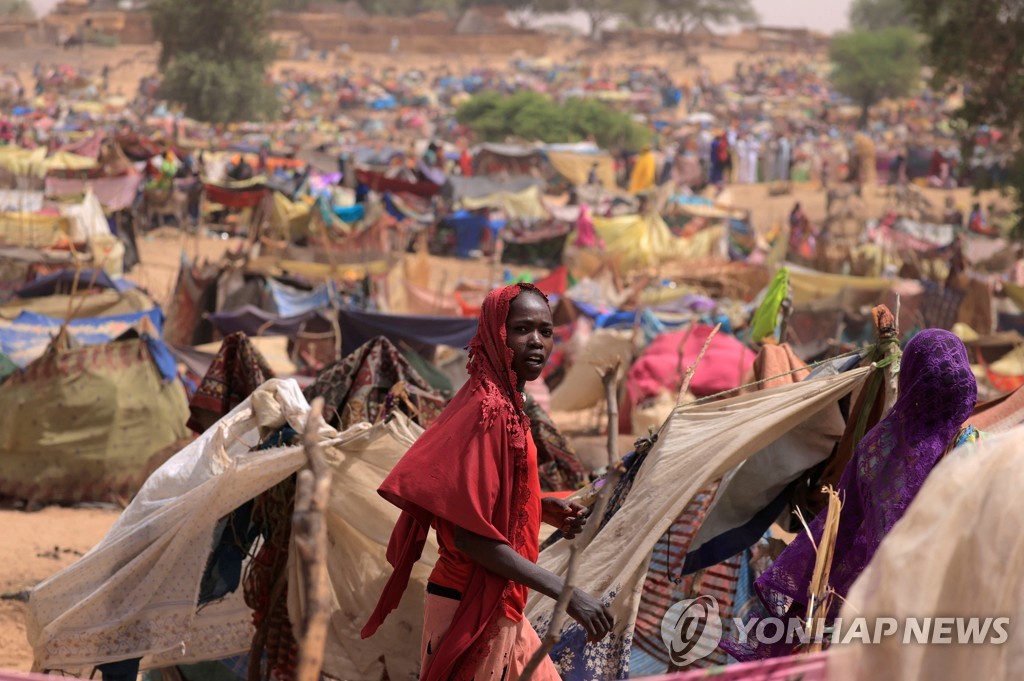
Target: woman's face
{"points": [[530, 334]]}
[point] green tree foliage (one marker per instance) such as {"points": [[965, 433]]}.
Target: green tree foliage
{"points": [[681, 16], [980, 44], [532, 116], [868, 66], [17, 9], [213, 57], [875, 15]]}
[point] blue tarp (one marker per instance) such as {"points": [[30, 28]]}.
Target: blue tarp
{"points": [[469, 227], [351, 214], [26, 337], [419, 332], [292, 302]]}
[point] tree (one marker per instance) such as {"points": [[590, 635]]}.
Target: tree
{"points": [[979, 44], [868, 66], [213, 57], [875, 15], [17, 9], [681, 16], [532, 116], [598, 13]]}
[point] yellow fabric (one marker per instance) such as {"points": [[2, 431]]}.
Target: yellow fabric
{"points": [[965, 333], [525, 204], [32, 230], [1010, 364], [1015, 293], [810, 285], [35, 163], [289, 217], [642, 177], [319, 270], [638, 241], [576, 167]]}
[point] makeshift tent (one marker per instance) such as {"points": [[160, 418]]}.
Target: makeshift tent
{"points": [[697, 445], [576, 166], [32, 230], [73, 426], [422, 333], [581, 388], [64, 280], [252, 321], [26, 337], [86, 220], [640, 241], [114, 193], [160, 547]]}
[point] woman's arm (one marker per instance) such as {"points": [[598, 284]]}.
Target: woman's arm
{"points": [[501, 559]]}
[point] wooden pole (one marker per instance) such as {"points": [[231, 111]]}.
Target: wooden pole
{"points": [[693, 367], [309, 529], [609, 378]]}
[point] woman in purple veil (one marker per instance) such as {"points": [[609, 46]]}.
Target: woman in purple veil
{"points": [[937, 393]]}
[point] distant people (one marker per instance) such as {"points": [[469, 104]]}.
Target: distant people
{"points": [[592, 178], [721, 158], [643, 177]]}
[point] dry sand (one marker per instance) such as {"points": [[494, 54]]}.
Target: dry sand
{"points": [[34, 546]]}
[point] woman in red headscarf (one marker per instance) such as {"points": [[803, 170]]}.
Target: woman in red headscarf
{"points": [[472, 476]]}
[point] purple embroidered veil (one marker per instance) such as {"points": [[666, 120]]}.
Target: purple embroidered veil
{"points": [[937, 392]]}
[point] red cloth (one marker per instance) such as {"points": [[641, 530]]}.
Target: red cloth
{"points": [[469, 468], [725, 364], [454, 567], [555, 283]]}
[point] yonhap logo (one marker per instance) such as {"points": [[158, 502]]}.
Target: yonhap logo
{"points": [[691, 630]]}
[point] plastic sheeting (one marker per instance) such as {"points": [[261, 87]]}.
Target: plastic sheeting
{"points": [[157, 551], [697, 445], [640, 241]]}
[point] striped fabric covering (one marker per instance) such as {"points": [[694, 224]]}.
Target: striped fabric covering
{"points": [[664, 586]]}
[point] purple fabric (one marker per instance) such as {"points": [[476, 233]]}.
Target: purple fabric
{"points": [[937, 392]]}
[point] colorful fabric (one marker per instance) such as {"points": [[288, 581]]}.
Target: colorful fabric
{"points": [[557, 463], [766, 317], [661, 367], [698, 444], [937, 392], [485, 427], [371, 383], [642, 177], [237, 370], [420, 332]]}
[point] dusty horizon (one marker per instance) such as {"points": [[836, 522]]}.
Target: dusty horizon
{"points": [[823, 15]]}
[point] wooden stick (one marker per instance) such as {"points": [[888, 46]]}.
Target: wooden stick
{"points": [[609, 377], [819, 592], [693, 367], [309, 529]]}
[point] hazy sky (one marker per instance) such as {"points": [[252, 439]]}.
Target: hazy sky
{"points": [[822, 15]]}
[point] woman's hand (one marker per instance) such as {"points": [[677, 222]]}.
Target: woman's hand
{"points": [[568, 517], [596, 619]]}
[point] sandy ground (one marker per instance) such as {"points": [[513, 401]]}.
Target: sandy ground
{"points": [[34, 546]]}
